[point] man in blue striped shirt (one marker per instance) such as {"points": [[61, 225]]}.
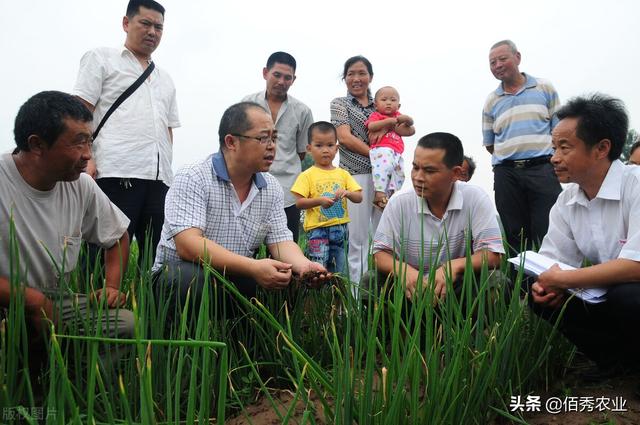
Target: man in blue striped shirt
{"points": [[517, 120]]}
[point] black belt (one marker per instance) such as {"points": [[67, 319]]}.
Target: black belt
{"points": [[526, 163]]}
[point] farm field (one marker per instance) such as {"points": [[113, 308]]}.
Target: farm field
{"points": [[300, 356]]}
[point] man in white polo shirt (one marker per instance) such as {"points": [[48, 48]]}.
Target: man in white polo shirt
{"points": [[596, 219], [132, 152], [431, 224]]}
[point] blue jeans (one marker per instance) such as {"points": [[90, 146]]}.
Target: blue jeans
{"points": [[328, 246]]}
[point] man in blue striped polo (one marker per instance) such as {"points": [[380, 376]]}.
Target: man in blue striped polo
{"points": [[517, 120]]}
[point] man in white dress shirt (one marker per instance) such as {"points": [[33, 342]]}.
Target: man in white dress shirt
{"points": [[596, 221], [132, 152]]}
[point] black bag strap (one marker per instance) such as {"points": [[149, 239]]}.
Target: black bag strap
{"points": [[125, 94]]}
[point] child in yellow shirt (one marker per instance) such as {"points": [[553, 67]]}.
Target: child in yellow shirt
{"points": [[322, 191]]}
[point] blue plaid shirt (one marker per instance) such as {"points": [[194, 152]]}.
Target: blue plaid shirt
{"points": [[202, 196]]}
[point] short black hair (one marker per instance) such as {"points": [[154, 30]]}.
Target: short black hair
{"points": [[133, 8], [352, 61], [43, 115], [472, 165], [635, 146], [283, 58], [235, 120], [321, 127], [452, 146], [599, 116]]}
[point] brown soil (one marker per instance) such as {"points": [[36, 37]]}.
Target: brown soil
{"points": [[620, 388], [263, 413], [316, 280]]}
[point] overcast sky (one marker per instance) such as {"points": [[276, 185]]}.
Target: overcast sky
{"points": [[434, 53]]}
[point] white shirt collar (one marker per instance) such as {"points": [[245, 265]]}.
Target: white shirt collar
{"points": [[610, 188], [126, 51], [455, 202]]}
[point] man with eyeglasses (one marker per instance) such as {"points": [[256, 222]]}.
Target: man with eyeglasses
{"points": [[292, 119], [132, 152], [221, 210]]}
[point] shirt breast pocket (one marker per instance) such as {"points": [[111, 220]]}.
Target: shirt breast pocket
{"points": [[163, 96], [288, 131], [69, 253], [288, 134], [262, 229]]}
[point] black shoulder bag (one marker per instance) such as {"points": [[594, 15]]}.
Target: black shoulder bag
{"points": [[125, 94]]}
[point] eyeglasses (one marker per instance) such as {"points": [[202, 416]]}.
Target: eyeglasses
{"points": [[263, 140]]}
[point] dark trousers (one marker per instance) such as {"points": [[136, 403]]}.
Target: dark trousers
{"points": [[524, 197], [607, 333], [143, 202], [499, 287], [176, 279], [293, 221]]}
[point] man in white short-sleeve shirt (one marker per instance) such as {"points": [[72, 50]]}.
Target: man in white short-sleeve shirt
{"points": [[596, 220], [432, 224], [49, 206], [293, 119], [133, 149]]}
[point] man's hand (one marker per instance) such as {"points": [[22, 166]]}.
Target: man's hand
{"points": [[310, 266], [271, 274], [411, 282], [440, 285], [39, 310], [91, 169], [553, 280], [547, 298], [549, 289], [113, 296]]}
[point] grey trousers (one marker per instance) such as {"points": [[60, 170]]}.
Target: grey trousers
{"points": [[77, 313], [498, 283]]}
